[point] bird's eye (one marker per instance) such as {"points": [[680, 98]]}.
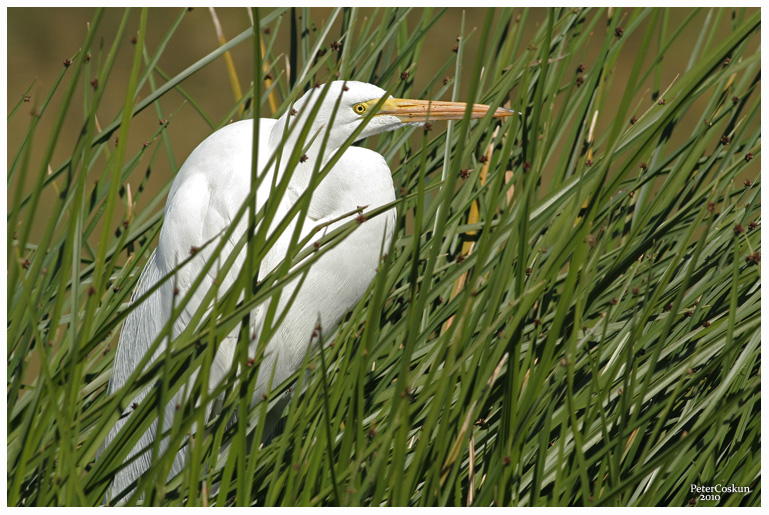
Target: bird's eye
{"points": [[359, 108]]}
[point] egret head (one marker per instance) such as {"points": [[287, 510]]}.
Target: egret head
{"points": [[356, 101]]}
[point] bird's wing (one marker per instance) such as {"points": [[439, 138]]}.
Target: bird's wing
{"points": [[206, 192], [136, 336], [140, 328]]}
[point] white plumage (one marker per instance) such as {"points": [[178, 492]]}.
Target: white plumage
{"points": [[211, 187]]}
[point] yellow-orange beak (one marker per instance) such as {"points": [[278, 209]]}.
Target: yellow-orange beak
{"points": [[408, 110]]}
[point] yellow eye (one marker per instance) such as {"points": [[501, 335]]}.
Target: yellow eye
{"points": [[359, 108]]}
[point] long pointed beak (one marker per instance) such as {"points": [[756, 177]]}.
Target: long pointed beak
{"points": [[409, 111]]}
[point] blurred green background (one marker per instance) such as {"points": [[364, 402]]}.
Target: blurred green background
{"points": [[40, 39]]}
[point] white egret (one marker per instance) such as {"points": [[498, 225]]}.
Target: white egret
{"points": [[208, 191]]}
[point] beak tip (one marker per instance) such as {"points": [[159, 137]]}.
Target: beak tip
{"points": [[503, 111]]}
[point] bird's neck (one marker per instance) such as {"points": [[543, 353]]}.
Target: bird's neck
{"points": [[312, 157]]}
